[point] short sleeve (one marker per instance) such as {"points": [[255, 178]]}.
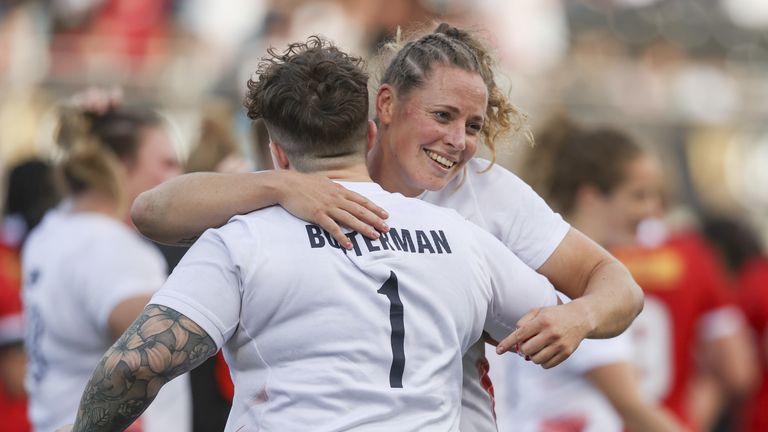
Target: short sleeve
{"points": [[515, 288], [534, 230], [123, 268], [206, 286], [502, 204]]}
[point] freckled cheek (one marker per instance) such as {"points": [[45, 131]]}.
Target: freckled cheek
{"points": [[432, 134], [471, 149]]}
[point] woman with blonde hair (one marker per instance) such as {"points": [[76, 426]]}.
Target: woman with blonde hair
{"points": [[87, 274]]}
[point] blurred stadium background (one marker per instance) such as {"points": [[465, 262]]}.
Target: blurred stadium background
{"points": [[688, 76]]}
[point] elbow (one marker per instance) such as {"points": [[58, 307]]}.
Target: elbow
{"points": [[635, 297], [638, 298], [143, 212], [140, 212]]}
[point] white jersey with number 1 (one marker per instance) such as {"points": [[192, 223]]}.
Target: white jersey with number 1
{"points": [[371, 339]]}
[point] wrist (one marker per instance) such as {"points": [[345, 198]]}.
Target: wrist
{"points": [[588, 324], [271, 187]]}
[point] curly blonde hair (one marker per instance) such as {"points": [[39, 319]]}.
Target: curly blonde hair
{"points": [[412, 62]]}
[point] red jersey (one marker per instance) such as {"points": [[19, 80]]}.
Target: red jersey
{"points": [[13, 411], [753, 297], [683, 281]]}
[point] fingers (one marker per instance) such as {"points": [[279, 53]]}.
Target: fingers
{"points": [[343, 217], [367, 211], [368, 221], [542, 338], [514, 340], [545, 350], [524, 332], [549, 356], [333, 228]]}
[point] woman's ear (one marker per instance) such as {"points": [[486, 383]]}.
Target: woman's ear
{"points": [[279, 158], [385, 104]]}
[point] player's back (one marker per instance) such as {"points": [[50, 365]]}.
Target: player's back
{"points": [[72, 266], [366, 339], [369, 336]]}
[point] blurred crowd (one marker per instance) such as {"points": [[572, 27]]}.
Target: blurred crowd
{"points": [[683, 78]]}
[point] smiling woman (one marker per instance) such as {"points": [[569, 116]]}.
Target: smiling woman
{"points": [[429, 133]]}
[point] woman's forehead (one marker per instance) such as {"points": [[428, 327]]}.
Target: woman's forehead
{"points": [[454, 87]]}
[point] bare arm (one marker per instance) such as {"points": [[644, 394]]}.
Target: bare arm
{"points": [[159, 346], [13, 364], [605, 301], [617, 382], [597, 282], [124, 314], [179, 210], [732, 361]]}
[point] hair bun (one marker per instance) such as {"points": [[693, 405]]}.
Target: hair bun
{"points": [[448, 30]]}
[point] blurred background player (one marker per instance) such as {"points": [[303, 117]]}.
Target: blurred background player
{"points": [[746, 260], [597, 388], [87, 274], [607, 185], [31, 191]]}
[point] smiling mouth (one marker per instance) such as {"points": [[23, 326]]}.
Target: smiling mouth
{"points": [[442, 161]]}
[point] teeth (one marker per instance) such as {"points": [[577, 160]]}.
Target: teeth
{"points": [[439, 159]]}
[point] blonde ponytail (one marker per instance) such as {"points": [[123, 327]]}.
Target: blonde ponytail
{"points": [[87, 165]]}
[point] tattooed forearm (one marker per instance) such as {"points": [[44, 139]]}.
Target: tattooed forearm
{"points": [[159, 346]]}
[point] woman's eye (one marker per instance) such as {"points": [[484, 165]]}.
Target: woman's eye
{"points": [[474, 128], [442, 115]]}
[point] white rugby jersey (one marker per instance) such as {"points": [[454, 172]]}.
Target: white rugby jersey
{"points": [[505, 206], [76, 268], [369, 339]]}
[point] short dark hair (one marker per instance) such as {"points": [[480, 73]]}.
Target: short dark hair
{"points": [[313, 98]]}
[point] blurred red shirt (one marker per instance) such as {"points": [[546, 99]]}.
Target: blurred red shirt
{"points": [[753, 297], [13, 411], [687, 296]]}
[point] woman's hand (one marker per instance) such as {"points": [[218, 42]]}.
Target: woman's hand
{"points": [[547, 336], [326, 203]]}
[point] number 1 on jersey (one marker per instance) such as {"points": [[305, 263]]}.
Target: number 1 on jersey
{"points": [[397, 339]]}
